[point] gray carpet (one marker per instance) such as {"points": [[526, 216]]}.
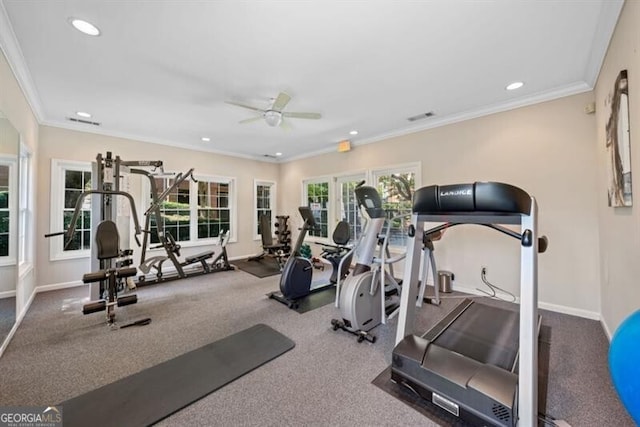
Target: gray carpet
{"points": [[7, 316], [58, 353]]}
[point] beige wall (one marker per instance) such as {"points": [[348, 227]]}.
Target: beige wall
{"points": [[546, 149], [56, 143], [16, 108], [552, 150], [620, 227]]}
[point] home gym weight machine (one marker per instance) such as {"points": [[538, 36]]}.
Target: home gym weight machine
{"points": [[168, 242], [109, 265], [109, 172], [480, 363], [369, 296]]}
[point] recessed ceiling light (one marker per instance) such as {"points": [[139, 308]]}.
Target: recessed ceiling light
{"points": [[83, 114], [515, 85], [353, 132], [84, 27], [205, 139], [278, 154]]}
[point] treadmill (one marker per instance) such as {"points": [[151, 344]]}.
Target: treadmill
{"points": [[479, 363]]}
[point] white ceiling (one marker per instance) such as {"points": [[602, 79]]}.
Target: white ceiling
{"points": [[161, 70]]}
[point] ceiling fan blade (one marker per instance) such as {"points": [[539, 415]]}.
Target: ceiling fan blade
{"points": [[244, 106], [285, 125], [251, 119], [314, 116], [281, 101]]}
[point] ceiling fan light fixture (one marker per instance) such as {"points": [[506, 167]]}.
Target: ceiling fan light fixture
{"points": [[273, 118], [83, 114], [278, 154]]}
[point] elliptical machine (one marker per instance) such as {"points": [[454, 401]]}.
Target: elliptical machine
{"points": [[370, 295], [295, 282]]}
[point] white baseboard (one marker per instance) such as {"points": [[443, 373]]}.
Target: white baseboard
{"points": [[569, 310], [17, 323], [541, 304], [606, 328], [8, 294], [56, 286]]}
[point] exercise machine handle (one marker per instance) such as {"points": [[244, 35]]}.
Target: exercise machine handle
{"points": [[78, 208], [179, 179], [59, 233]]}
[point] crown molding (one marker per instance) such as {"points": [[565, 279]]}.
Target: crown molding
{"points": [[501, 107], [140, 138], [609, 14], [11, 49]]}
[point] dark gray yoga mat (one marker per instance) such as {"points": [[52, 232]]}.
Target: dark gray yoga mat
{"points": [[155, 393]]}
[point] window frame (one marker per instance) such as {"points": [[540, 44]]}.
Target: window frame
{"points": [[233, 212], [370, 176], [362, 175], [12, 163], [58, 169], [330, 197], [413, 167], [272, 204], [25, 210], [194, 241]]}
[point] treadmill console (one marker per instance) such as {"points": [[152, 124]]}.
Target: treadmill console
{"points": [[489, 197]]}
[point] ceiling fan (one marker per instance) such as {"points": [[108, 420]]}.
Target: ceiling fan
{"points": [[274, 115]]}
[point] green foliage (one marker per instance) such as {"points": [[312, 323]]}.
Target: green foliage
{"points": [[4, 198], [174, 205], [305, 251]]}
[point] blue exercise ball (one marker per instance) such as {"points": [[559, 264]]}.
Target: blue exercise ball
{"points": [[624, 364]]}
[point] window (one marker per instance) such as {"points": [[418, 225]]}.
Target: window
{"points": [[332, 199], [25, 208], [7, 209], [68, 180], [348, 207], [396, 187], [265, 201], [75, 183], [317, 198], [214, 208], [195, 211], [175, 211]]}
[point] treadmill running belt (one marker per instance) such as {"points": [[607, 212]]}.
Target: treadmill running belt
{"points": [[484, 333]]}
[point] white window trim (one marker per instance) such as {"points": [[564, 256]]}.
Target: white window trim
{"points": [[272, 203], [337, 209], [58, 167], [371, 178], [233, 206], [415, 167], [330, 209], [12, 163], [193, 207], [25, 209]]}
